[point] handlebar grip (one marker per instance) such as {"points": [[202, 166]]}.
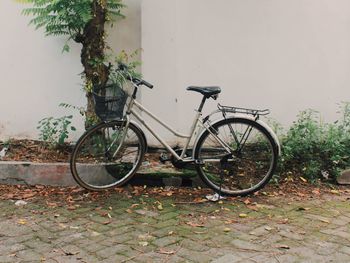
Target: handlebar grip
{"points": [[122, 67], [147, 84]]}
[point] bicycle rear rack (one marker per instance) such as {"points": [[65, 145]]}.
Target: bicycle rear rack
{"points": [[253, 112]]}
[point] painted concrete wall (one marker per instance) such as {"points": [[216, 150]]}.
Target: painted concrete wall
{"points": [[278, 54], [36, 77]]}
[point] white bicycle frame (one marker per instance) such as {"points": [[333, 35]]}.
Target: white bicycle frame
{"points": [[198, 120]]}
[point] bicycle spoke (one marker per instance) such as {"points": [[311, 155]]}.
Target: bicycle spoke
{"points": [[248, 167], [107, 156]]}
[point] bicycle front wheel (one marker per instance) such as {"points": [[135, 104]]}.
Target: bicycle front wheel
{"points": [[236, 157], [107, 155]]}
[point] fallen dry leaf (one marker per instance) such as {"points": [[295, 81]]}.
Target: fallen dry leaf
{"points": [[284, 221], [316, 191], [194, 224], [247, 201], [62, 225], [28, 195], [200, 200], [303, 208], [104, 213], [51, 204], [69, 253], [22, 222], [253, 207], [303, 179], [283, 246], [200, 232], [301, 194], [143, 243], [166, 252]]}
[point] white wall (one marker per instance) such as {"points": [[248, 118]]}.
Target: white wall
{"points": [[36, 77], [278, 54]]}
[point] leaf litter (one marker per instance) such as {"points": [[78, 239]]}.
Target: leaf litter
{"points": [[72, 197]]}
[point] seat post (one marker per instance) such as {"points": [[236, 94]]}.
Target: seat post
{"points": [[202, 104]]}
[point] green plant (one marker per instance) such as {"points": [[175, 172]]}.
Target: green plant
{"points": [[6, 143], [79, 109], [54, 131], [131, 63], [314, 149]]}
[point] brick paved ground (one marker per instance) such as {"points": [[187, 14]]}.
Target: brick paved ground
{"points": [[159, 229]]}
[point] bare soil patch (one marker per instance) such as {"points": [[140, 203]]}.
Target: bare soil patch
{"points": [[34, 151], [40, 152]]}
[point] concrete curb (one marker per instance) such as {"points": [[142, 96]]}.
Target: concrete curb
{"points": [[344, 177], [55, 174], [58, 174]]}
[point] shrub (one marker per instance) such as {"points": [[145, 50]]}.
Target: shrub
{"points": [[315, 149]]}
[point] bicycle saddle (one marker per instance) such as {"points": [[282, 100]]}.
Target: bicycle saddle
{"points": [[206, 91]]}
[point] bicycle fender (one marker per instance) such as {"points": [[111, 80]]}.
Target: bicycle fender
{"points": [[244, 116], [273, 134]]}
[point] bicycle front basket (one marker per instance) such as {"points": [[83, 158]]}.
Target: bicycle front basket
{"points": [[109, 102]]}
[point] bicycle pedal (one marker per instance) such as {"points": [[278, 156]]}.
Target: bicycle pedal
{"points": [[164, 158]]}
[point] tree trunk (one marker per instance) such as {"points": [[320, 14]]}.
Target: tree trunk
{"points": [[93, 56]]}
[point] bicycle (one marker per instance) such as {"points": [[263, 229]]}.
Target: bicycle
{"points": [[235, 154]]}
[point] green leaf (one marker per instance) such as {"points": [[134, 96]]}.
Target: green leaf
{"points": [[66, 48]]}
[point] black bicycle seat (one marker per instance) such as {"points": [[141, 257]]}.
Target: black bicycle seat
{"points": [[206, 91]]}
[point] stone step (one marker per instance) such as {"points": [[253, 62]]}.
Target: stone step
{"points": [[58, 174], [344, 177]]}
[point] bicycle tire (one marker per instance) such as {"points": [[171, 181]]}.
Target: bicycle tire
{"points": [[250, 164], [102, 158]]}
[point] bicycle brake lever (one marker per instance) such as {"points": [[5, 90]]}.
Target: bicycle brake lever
{"points": [[122, 66]]}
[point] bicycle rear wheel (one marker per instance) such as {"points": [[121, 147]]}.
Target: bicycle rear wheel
{"points": [[237, 158], [107, 155]]}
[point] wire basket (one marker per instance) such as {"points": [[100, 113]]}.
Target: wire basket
{"points": [[110, 101]]}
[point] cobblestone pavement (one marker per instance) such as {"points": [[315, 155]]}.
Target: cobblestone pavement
{"points": [[161, 229]]}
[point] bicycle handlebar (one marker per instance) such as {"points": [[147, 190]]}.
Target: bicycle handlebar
{"points": [[137, 81]]}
